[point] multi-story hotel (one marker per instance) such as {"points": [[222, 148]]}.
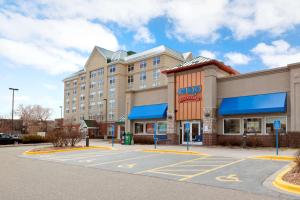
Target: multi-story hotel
{"points": [[98, 91], [182, 99]]}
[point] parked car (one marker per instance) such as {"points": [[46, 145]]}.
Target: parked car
{"points": [[7, 139]]}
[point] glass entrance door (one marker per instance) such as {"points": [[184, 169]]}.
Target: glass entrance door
{"points": [[192, 132]]}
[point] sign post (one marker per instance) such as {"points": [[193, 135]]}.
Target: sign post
{"points": [[277, 126], [187, 133], [112, 135], [155, 136]]}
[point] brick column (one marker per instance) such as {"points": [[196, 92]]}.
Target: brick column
{"points": [[209, 126]]}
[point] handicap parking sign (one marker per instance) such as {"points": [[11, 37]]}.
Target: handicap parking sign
{"points": [[277, 124]]}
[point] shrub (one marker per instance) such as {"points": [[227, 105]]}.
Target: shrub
{"points": [[235, 141], [73, 137], [29, 139], [297, 161], [64, 137], [56, 137]]}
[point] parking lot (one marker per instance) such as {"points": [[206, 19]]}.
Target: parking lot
{"points": [[219, 171]]}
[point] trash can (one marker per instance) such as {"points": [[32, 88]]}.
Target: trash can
{"points": [[128, 138]]}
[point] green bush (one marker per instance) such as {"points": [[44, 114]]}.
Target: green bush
{"points": [[297, 161], [29, 139]]}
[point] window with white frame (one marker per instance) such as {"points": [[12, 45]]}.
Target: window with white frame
{"points": [[270, 124], [93, 85], [130, 81], [82, 97], [67, 110], [253, 125], [112, 81], [111, 115], [101, 71], [74, 91], [75, 83], [82, 78], [101, 83], [73, 109], [143, 78], [68, 93], [112, 93], [82, 87], [100, 105], [130, 68], [232, 126], [156, 60], [162, 127], [81, 117], [112, 104], [93, 74], [100, 92], [110, 130], [139, 128], [67, 85], [143, 65], [92, 96], [81, 108], [112, 69]]}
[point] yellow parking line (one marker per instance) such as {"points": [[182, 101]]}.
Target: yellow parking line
{"points": [[210, 170], [116, 161], [166, 173], [174, 164]]}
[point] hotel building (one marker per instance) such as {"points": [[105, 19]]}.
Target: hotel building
{"points": [[183, 99]]}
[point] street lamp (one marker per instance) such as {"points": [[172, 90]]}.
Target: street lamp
{"points": [[105, 116], [61, 118], [12, 107]]}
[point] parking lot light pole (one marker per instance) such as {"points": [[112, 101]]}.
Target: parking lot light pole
{"points": [[105, 116], [12, 107], [61, 119]]}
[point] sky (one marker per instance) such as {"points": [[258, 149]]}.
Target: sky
{"points": [[42, 42]]}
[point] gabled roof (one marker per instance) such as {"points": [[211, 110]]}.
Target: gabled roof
{"points": [[200, 61], [105, 52], [91, 123], [74, 75]]}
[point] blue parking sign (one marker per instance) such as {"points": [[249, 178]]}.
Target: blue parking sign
{"points": [[277, 124]]}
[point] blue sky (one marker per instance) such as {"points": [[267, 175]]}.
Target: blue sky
{"points": [[41, 42]]}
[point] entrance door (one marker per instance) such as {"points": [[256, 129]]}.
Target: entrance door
{"points": [[191, 132]]}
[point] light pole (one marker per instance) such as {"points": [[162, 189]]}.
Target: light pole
{"points": [[61, 119], [105, 116], [12, 107]]}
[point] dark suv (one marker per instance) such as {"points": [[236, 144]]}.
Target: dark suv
{"points": [[7, 139]]}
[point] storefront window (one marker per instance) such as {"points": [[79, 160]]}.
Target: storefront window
{"points": [[162, 127], [253, 125], [232, 126], [139, 128], [270, 124], [150, 128]]}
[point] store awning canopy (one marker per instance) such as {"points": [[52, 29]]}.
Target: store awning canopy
{"points": [[263, 103], [153, 111]]}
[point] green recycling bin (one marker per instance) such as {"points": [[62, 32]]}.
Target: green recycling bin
{"points": [[128, 138]]}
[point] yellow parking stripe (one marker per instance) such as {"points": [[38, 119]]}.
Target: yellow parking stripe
{"points": [[166, 173], [210, 170]]}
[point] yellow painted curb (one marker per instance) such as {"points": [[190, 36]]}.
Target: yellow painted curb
{"points": [[283, 185], [175, 152], [30, 152], [282, 158]]}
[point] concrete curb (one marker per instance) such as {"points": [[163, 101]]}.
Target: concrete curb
{"points": [[280, 158], [30, 152], [174, 152], [283, 185]]}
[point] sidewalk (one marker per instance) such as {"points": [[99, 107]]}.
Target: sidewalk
{"points": [[233, 152]]}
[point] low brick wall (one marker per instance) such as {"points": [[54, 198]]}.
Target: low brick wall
{"points": [[148, 139], [209, 139], [286, 140]]}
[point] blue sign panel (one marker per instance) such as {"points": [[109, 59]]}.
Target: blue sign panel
{"points": [[277, 124], [189, 90]]}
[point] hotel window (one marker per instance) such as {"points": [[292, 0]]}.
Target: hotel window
{"points": [[81, 117], [270, 124], [68, 93], [143, 65], [101, 83], [67, 85], [232, 126], [73, 109], [93, 74], [82, 87], [253, 125], [112, 93], [101, 71], [162, 127], [74, 83], [112, 69], [92, 85], [112, 81], [81, 107], [82, 78], [67, 110], [130, 81], [143, 78], [139, 128], [74, 91], [100, 105], [92, 96], [150, 128], [82, 97], [130, 68], [111, 116], [110, 130], [112, 104], [100, 92], [156, 60]]}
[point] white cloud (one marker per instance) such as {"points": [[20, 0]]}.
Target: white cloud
{"points": [[144, 35], [235, 58], [208, 54], [49, 86], [277, 54]]}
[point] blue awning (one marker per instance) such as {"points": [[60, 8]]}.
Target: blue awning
{"points": [[154, 111], [263, 103]]}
